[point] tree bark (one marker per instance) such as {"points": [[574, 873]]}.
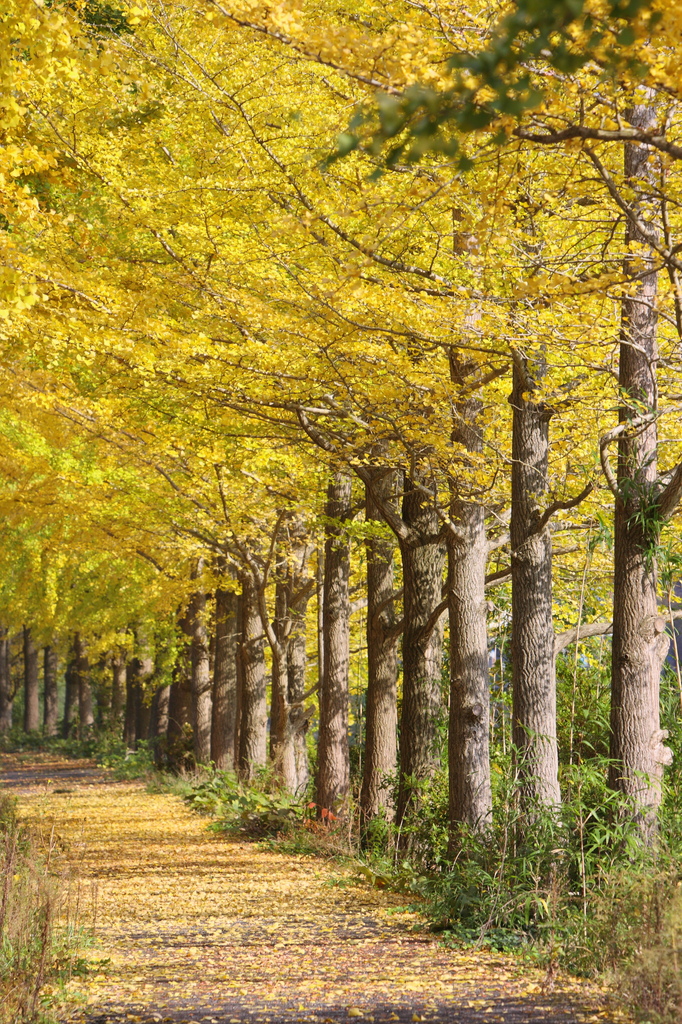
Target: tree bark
{"points": [[51, 707], [224, 712], [6, 695], [638, 754], [201, 679], [254, 717], [31, 701], [381, 715], [86, 718], [470, 795], [532, 629], [333, 775], [423, 558]]}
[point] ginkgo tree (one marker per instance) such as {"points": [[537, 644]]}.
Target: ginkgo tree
{"points": [[224, 324]]}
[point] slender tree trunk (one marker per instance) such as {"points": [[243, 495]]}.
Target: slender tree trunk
{"points": [[532, 629], [286, 721], [118, 683], [70, 695], [282, 749], [423, 558], [638, 754], [470, 795], [381, 716], [31, 701], [132, 700], [224, 713], [240, 682], [143, 715], [6, 695], [180, 700], [279, 686], [254, 717], [51, 707], [333, 775], [201, 679], [158, 725], [102, 693], [320, 612], [296, 664], [85, 715], [288, 718]]}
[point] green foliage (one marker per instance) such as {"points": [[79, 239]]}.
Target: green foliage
{"points": [[424, 120], [257, 810], [126, 764]]}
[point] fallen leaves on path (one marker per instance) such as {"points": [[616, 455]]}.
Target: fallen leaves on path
{"points": [[201, 930]]}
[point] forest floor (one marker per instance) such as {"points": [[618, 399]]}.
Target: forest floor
{"points": [[190, 927]]}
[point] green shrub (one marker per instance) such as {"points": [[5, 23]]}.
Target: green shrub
{"points": [[255, 810]]}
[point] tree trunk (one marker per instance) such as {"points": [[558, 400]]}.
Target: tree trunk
{"points": [[6, 695], [296, 663], [254, 717], [31, 701], [381, 715], [82, 668], [423, 558], [102, 694], [201, 679], [51, 708], [180, 700], [224, 713], [282, 749], [319, 569], [470, 795], [638, 754], [532, 628], [158, 725], [132, 701], [118, 683], [240, 681], [143, 714], [333, 775], [70, 695]]}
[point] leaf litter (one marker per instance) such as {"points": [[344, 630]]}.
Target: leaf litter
{"points": [[195, 929]]}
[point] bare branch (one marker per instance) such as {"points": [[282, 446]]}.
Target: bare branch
{"points": [[558, 506], [622, 134], [570, 636], [670, 498]]}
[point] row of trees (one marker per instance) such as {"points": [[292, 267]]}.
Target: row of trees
{"points": [[220, 349]]}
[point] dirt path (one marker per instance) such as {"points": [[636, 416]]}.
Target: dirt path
{"points": [[199, 929]]}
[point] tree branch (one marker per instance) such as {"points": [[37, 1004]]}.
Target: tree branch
{"points": [[558, 506], [623, 134], [671, 496], [570, 636]]}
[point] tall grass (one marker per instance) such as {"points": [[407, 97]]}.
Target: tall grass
{"points": [[39, 934]]}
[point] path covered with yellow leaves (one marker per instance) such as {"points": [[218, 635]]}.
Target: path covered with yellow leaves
{"points": [[197, 928]]}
